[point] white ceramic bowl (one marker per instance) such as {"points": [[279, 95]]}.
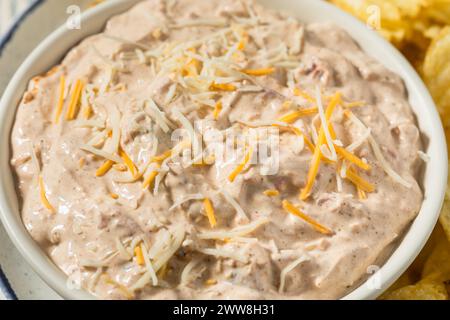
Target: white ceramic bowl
{"points": [[52, 49]]}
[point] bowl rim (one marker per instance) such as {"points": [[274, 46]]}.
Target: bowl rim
{"points": [[403, 255]]}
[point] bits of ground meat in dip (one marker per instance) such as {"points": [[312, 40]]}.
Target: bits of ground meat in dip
{"points": [[108, 197]]}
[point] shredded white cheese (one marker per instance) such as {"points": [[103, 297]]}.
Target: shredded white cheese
{"points": [[426, 158], [91, 123], [158, 116], [112, 145], [357, 143], [188, 274], [170, 94], [122, 251], [323, 120], [237, 232], [162, 241], [101, 153], [288, 269], [34, 159], [149, 265], [141, 282], [222, 253], [139, 45], [379, 155], [205, 22], [296, 47], [190, 130], [187, 198], [175, 244], [234, 204], [98, 138]]}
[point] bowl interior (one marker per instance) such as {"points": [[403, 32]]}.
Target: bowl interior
{"points": [[50, 52]]}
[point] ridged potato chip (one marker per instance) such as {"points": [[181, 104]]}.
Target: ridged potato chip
{"points": [[426, 289], [444, 218], [438, 10], [395, 16], [403, 281], [436, 70], [410, 8], [406, 23], [438, 263], [381, 15], [415, 271]]}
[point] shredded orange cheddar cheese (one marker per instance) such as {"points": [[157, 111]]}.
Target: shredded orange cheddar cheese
{"points": [[326, 160], [358, 181], [151, 177], [354, 104], [271, 192], [106, 166], [87, 111], [289, 207], [205, 161], [139, 255], [286, 105], [241, 166], [315, 162], [119, 286], [217, 110], [352, 158], [309, 144], [243, 42], [95, 3], [293, 116], [120, 167], [241, 45], [82, 162], [209, 209], [304, 95], [258, 72], [131, 166], [348, 113], [62, 88], [43, 195], [113, 195], [332, 132], [222, 87], [210, 282], [75, 98], [361, 194], [192, 68], [299, 133]]}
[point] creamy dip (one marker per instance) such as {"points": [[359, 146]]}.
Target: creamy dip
{"points": [[106, 195]]}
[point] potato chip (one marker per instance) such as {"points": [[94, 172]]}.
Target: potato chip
{"points": [[437, 10], [436, 68], [416, 268], [390, 22], [395, 16], [410, 8], [444, 218], [438, 262], [415, 271], [403, 281], [427, 289]]}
